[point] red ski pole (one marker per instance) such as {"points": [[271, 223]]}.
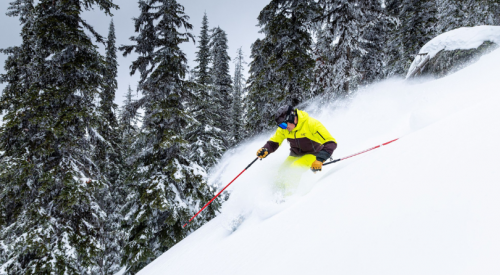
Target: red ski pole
{"points": [[219, 193], [367, 150]]}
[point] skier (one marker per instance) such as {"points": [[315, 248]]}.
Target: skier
{"points": [[310, 145]]}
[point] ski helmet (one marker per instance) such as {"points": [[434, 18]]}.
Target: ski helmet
{"points": [[285, 113]]}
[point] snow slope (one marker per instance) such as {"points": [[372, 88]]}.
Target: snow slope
{"points": [[426, 204]]}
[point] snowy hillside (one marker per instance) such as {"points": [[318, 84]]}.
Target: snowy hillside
{"points": [[426, 204]]}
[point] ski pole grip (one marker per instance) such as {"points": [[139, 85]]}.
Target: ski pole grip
{"points": [[331, 162]]}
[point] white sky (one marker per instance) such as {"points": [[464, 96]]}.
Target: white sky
{"points": [[237, 17]]}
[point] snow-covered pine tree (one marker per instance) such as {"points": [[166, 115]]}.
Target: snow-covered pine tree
{"points": [[202, 75], [371, 65], [207, 141], [394, 52], [18, 80], [418, 25], [166, 187], [493, 12], [108, 157], [285, 25], [50, 216], [238, 87], [129, 126], [467, 13], [281, 67], [221, 84], [321, 54], [345, 25], [260, 103], [107, 139], [451, 14], [129, 129]]}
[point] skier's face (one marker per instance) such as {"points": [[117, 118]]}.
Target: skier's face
{"points": [[291, 126]]}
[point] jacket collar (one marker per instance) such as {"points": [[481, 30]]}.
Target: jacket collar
{"points": [[302, 118]]}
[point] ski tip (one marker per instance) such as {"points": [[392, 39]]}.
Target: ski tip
{"points": [[184, 225]]}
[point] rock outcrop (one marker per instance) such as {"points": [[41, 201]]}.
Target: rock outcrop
{"points": [[449, 61]]}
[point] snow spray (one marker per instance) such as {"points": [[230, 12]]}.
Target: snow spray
{"points": [[220, 192]]}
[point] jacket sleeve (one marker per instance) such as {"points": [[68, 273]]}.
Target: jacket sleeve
{"points": [[329, 143], [275, 141]]}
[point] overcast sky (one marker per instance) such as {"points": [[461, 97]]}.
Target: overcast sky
{"points": [[237, 17]]}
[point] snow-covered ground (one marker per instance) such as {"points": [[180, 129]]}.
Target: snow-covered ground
{"points": [[426, 204]]}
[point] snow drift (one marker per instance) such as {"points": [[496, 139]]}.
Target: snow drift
{"points": [[464, 38], [426, 204]]}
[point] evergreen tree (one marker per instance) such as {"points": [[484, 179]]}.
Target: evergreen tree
{"points": [[221, 83], [50, 214], [260, 102], [494, 12], [323, 66], [108, 158], [166, 187], [394, 53], [451, 14], [281, 69], [418, 26], [18, 79], [467, 13], [207, 141], [202, 75], [129, 128], [372, 64], [482, 12], [238, 87], [285, 25], [346, 25]]}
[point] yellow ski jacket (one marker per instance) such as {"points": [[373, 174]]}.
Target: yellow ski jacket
{"points": [[308, 137]]}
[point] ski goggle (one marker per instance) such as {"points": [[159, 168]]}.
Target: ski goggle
{"points": [[283, 125]]}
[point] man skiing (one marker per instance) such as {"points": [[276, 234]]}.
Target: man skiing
{"points": [[310, 145]]}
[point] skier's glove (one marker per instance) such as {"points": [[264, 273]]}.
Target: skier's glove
{"points": [[316, 166], [262, 153]]}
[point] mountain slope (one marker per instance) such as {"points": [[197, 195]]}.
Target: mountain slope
{"points": [[426, 204]]}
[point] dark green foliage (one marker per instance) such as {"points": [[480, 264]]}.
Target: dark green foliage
{"points": [[418, 25], [208, 142], [371, 65], [393, 48], [289, 42], [260, 102], [108, 158], [238, 87], [418, 19], [129, 128], [281, 70], [221, 84], [165, 185], [203, 55], [50, 216], [452, 14], [347, 42]]}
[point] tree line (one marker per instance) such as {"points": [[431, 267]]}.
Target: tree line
{"points": [[90, 188]]}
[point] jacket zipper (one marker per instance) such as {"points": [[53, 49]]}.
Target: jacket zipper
{"points": [[312, 144], [320, 135], [296, 140]]}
